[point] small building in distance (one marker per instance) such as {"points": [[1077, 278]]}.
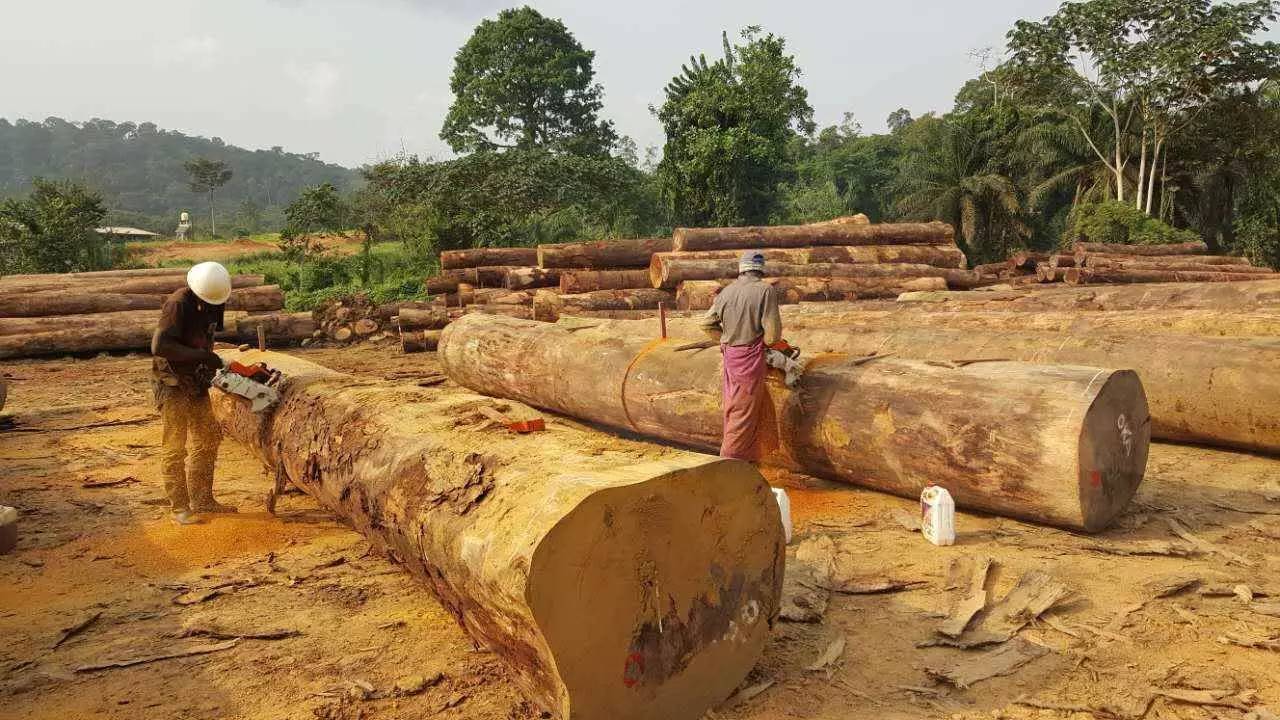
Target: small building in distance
{"points": [[125, 233]]}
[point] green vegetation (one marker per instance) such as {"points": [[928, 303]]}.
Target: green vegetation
{"points": [[52, 230]]}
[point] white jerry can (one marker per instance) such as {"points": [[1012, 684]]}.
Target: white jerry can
{"points": [[938, 516], [784, 506]]}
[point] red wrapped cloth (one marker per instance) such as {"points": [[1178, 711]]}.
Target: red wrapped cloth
{"points": [[743, 400]]}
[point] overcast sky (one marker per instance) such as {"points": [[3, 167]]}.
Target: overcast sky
{"points": [[360, 80]]}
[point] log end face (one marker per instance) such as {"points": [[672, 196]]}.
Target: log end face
{"points": [[656, 598], [1114, 441]]}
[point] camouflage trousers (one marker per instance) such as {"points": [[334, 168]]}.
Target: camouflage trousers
{"points": [[188, 478]]}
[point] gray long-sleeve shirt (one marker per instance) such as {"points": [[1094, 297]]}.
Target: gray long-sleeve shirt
{"points": [[744, 312]]}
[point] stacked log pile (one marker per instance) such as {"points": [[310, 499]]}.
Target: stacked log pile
{"points": [[1099, 263], [117, 310]]}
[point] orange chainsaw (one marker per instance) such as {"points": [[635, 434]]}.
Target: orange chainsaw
{"points": [[256, 383]]}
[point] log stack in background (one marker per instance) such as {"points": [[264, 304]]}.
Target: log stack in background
{"points": [[117, 310], [1100, 263]]}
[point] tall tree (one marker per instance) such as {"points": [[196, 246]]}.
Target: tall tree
{"points": [[206, 176], [53, 229], [729, 126], [1150, 65], [524, 81]]}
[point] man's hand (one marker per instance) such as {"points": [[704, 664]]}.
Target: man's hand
{"points": [[212, 360]]}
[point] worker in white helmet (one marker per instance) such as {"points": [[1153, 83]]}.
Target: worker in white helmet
{"points": [[182, 368]]}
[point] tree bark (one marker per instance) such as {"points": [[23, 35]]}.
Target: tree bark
{"points": [[416, 341], [280, 328], [153, 285], [477, 257], [668, 271], [1188, 248], [449, 280], [79, 302], [1094, 276], [943, 255], [548, 551], [1027, 441], [602, 254], [548, 305], [1260, 294], [531, 277], [699, 294], [574, 282], [797, 236]]}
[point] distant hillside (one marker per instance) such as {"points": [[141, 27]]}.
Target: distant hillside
{"points": [[138, 169]]}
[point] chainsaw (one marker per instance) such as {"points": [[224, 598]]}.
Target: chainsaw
{"points": [[785, 357], [256, 383]]}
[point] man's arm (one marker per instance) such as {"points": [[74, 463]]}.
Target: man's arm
{"points": [[712, 322], [167, 341], [772, 320]]}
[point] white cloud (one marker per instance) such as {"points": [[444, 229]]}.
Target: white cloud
{"points": [[199, 52], [318, 81]]}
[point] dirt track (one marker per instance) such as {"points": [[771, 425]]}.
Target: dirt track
{"points": [[364, 625]]}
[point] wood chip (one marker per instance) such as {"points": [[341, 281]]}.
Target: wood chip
{"points": [[805, 580], [1212, 698], [975, 594], [830, 655], [144, 659], [747, 693], [872, 586], [1270, 609], [973, 668], [907, 521], [1266, 528], [200, 629], [1144, 547], [1247, 509], [91, 484], [1170, 585], [1267, 643], [77, 628], [1205, 546], [1033, 595]]}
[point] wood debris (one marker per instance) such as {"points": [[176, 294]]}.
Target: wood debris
{"points": [[905, 520], [973, 668], [200, 628], [1171, 585], [1212, 698], [1257, 643], [144, 659], [747, 693], [1247, 509], [1033, 595], [94, 484], [1145, 547], [79, 627], [805, 580], [974, 570], [1205, 546], [830, 655]]}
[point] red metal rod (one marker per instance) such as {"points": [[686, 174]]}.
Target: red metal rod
{"points": [[662, 318]]}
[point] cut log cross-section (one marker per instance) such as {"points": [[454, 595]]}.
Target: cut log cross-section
{"points": [[549, 548], [1063, 445], [795, 236]]}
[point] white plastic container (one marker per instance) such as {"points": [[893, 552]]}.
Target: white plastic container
{"points": [[938, 516], [784, 505], [8, 528]]}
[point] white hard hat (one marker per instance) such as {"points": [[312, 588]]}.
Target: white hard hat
{"points": [[210, 282]]}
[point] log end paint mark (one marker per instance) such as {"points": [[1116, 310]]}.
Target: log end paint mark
{"points": [[633, 669], [1095, 478]]}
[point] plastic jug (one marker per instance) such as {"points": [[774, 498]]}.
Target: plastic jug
{"points": [[784, 505], [938, 516]]}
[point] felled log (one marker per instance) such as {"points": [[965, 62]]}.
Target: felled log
{"points": [[1260, 294], [517, 311], [699, 294], [432, 319], [59, 278], [530, 277], [386, 312], [1113, 262], [75, 302], [1095, 276], [859, 219], [416, 341], [488, 256], [947, 255], [79, 334], [1187, 248], [1029, 259], [549, 305], [602, 254], [153, 285], [547, 551], [449, 280], [1040, 443], [794, 236], [573, 282], [1000, 269], [279, 328], [669, 270], [1087, 259], [1048, 273]]}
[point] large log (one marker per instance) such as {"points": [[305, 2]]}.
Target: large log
{"points": [[1028, 259], [602, 254], [77, 302], [278, 328], [1062, 445], [1094, 276], [79, 334], [669, 270], [1256, 295], [574, 282], [1112, 262], [795, 236], [531, 277], [1187, 248], [416, 341], [699, 294], [1088, 259], [518, 311], [159, 285], [60, 279], [449, 280], [477, 257], [548, 305], [947, 256], [549, 548], [432, 319]]}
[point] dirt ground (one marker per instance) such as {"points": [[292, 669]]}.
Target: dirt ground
{"points": [[340, 628], [154, 253]]}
